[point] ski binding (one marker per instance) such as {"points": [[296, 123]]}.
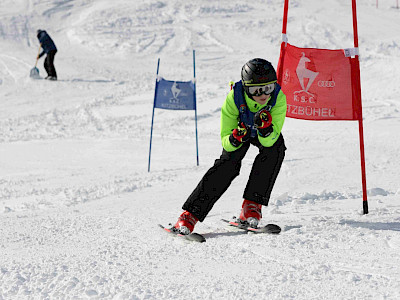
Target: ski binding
{"points": [[193, 237], [269, 228]]}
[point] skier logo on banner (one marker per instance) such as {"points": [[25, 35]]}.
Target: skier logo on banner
{"points": [[175, 91], [303, 74]]}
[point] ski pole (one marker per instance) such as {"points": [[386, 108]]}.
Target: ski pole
{"points": [[37, 56]]}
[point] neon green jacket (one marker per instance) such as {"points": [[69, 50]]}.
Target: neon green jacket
{"points": [[230, 119]]}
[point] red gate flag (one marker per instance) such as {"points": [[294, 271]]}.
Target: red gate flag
{"points": [[323, 84], [318, 84]]}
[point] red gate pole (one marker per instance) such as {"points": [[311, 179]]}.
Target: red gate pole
{"points": [[359, 113], [285, 14], [284, 41]]}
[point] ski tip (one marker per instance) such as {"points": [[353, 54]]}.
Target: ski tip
{"points": [[165, 228], [196, 237], [273, 228]]}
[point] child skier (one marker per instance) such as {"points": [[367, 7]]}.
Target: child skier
{"points": [[252, 114], [50, 49]]}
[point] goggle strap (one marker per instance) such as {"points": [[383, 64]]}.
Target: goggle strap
{"points": [[259, 84]]}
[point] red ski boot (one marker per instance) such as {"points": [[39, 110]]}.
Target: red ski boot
{"points": [[251, 213], [186, 222]]}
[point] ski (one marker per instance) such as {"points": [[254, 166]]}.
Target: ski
{"points": [[193, 237], [269, 228]]}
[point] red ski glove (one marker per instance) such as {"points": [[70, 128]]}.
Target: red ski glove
{"points": [[263, 122], [240, 135]]}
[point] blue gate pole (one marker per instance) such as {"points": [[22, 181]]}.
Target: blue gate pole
{"points": [[152, 118], [195, 106]]}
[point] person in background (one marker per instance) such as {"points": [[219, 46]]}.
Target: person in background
{"points": [[50, 49], [253, 114]]}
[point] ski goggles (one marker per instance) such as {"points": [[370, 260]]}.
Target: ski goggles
{"points": [[258, 90]]}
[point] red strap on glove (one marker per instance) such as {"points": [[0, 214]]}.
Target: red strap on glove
{"points": [[263, 119], [239, 135], [240, 132]]}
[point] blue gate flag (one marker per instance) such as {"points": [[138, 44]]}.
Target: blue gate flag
{"points": [[176, 95]]}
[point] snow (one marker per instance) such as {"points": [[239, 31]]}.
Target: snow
{"points": [[78, 209]]}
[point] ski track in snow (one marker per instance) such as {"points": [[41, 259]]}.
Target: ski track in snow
{"points": [[79, 211]]}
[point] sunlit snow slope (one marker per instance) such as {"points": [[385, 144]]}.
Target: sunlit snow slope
{"points": [[78, 209]]}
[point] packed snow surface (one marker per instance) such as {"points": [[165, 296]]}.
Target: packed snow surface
{"points": [[79, 210]]}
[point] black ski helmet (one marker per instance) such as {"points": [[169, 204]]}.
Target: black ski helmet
{"points": [[257, 71]]}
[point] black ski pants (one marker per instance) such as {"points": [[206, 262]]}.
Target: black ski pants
{"points": [[49, 64], [219, 177]]}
